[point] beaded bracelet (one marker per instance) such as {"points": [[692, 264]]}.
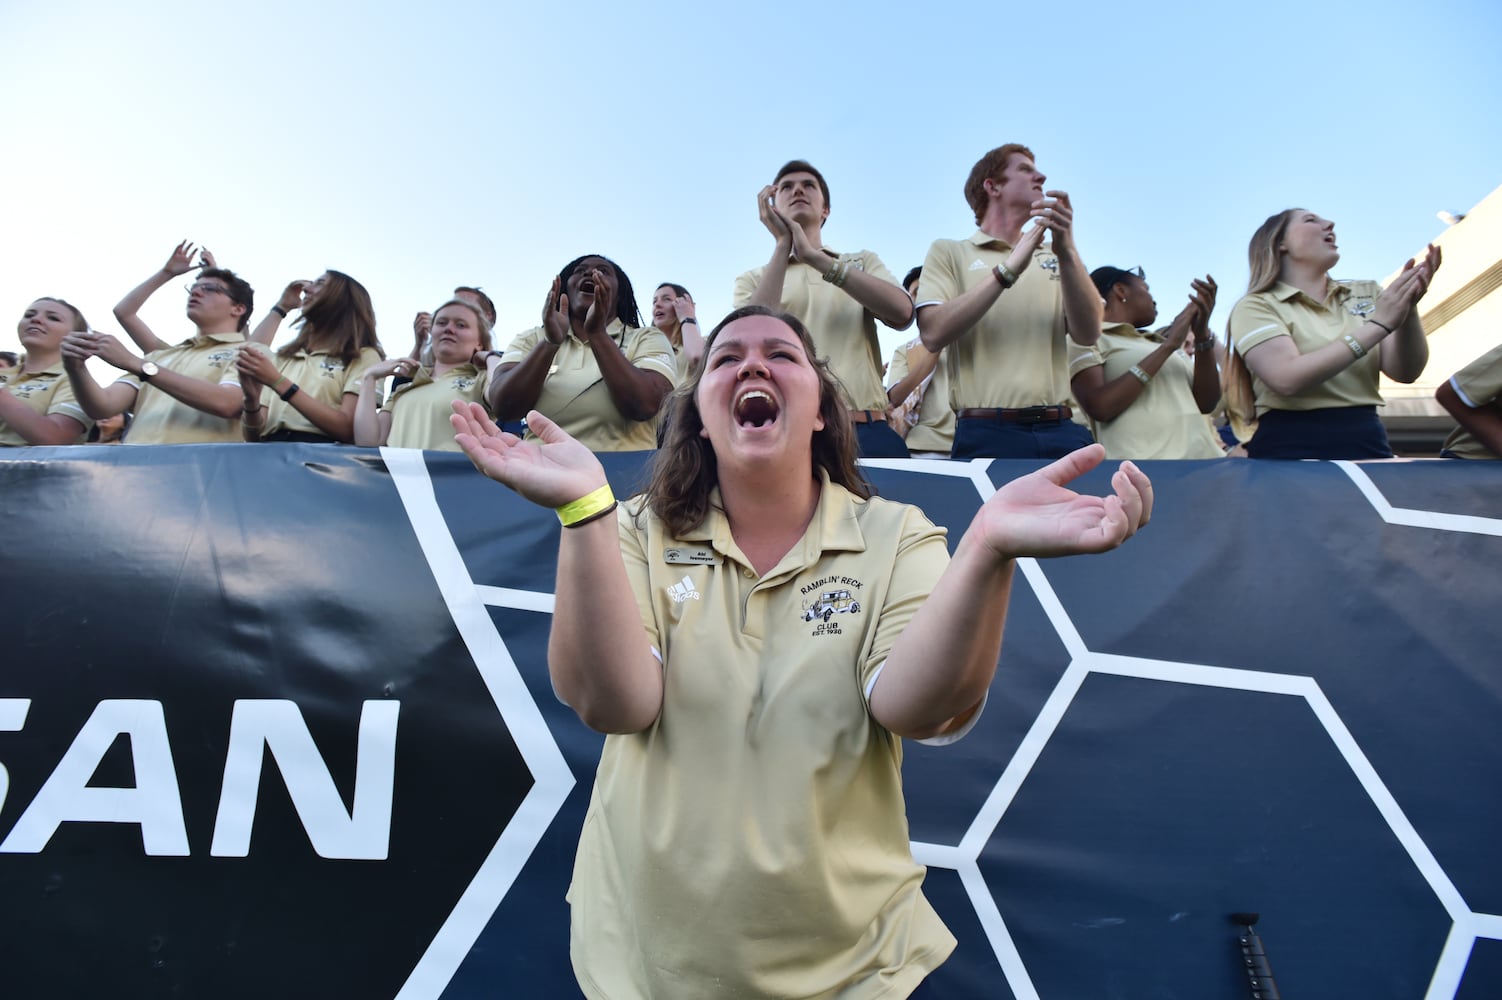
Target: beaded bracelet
{"points": [[590, 507]]}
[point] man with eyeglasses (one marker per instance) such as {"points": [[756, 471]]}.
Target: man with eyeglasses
{"points": [[188, 393], [839, 297], [1000, 304]]}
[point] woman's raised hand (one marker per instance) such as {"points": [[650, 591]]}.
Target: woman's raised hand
{"points": [[550, 471], [1037, 515]]}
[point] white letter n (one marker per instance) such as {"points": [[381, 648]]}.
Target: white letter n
{"points": [[363, 833]]}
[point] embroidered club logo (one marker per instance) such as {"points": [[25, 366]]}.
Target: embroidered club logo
{"points": [[331, 368], [683, 590], [830, 603], [463, 383], [1362, 305]]}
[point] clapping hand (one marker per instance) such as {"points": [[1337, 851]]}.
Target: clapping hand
{"points": [[555, 317], [551, 470], [1038, 515], [602, 307], [780, 228]]}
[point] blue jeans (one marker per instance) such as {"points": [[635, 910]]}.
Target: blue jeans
{"points": [[877, 440], [980, 438], [1340, 432]]}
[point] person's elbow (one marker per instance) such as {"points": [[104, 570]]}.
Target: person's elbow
{"points": [[604, 713], [1406, 373], [228, 405], [898, 316], [644, 404], [933, 331], [1447, 397], [59, 431], [1088, 335]]}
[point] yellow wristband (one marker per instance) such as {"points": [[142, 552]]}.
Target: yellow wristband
{"points": [[586, 508]]}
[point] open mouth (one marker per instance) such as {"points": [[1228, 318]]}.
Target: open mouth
{"points": [[755, 408], [587, 287]]}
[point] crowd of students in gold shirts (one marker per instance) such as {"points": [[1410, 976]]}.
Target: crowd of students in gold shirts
{"points": [[1020, 352]]}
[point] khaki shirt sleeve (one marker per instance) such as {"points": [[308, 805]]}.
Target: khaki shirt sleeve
{"points": [[922, 557], [390, 403], [64, 402], [231, 374], [355, 371], [872, 265], [939, 281], [1254, 322], [898, 369], [1479, 383], [634, 553], [652, 351], [1082, 358], [745, 287], [522, 346]]}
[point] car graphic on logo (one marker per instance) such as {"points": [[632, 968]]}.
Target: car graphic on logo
{"points": [[830, 602]]}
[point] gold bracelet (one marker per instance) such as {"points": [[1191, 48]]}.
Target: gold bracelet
{"points": [[589, 507], [1355, 345], [1140, 375]]}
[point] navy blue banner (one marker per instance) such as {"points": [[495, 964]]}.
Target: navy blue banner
{"points": [[276, 721]]}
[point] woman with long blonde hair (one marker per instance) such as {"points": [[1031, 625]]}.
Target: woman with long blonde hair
{"points": [[313, 382], [37, 405], [1307, 351]]}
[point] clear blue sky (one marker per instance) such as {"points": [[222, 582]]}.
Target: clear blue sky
{"points": [[489, 144]]}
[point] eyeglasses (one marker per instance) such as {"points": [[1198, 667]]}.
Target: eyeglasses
{"points": [[207, 288]]}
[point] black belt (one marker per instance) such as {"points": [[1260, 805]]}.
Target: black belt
{"points": [[301, 437], [1024, 415]]}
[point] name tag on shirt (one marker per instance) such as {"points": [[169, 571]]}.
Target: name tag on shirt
{"points": [[690, 557]]}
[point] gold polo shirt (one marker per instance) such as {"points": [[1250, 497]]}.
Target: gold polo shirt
{"points": [[1477, 384], [420, 409], [1284, 311], [934, 430], [1164, 421], [1016, 355], [46, 391], [844, 332], [325, 377], [752, 842], [575, 396], [162, 419]]}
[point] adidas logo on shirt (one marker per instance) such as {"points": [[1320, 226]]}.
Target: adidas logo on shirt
{"points": [[978, 265], [683, 590]]}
